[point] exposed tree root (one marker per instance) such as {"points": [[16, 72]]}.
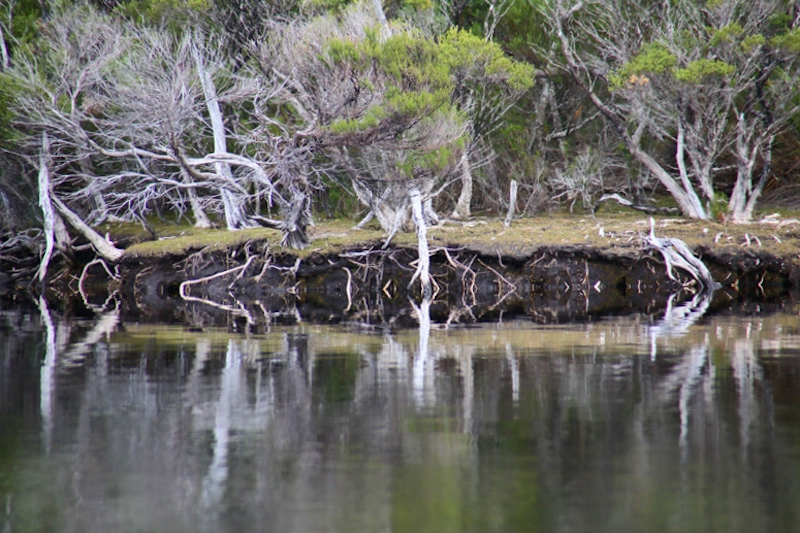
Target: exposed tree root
{"points": [[677, 255]]}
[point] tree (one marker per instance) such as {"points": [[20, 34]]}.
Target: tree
{"points": [[718, 80], [391, 107], [134, 123], [371, 100]]}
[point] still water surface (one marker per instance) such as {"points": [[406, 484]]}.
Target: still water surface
{"points": [[618, 425]]}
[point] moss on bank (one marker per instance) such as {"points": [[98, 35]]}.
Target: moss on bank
{"points": [[779, 236]]}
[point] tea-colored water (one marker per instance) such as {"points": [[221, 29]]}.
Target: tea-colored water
{"points": [[617, 425]]}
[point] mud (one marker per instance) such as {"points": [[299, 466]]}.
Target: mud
{"points": [[251, 287]]}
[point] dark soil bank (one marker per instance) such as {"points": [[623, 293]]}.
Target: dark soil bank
{"points": [[252, 286]]}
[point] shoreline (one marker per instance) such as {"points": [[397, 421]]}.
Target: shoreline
{"points": [[552, 269]]}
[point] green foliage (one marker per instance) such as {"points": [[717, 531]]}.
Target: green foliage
{"points": [[698, 71], [427, 162], [418, 5], [341, 51], [176, 15], [414, 104], [413, 61], [468, 55], [8, 90], [788, 42], [727, 34], [752, 42], [353, 125], [718, 207], [24, 23], [654, 58], [335, 6]]}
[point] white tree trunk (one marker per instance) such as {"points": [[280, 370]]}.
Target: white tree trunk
{"points": [[102, 246], [512, 204], [234, 213], [688, 201], [744, 195], [423, 266], [462, 210], [48, 214], [381, 16], [3, 51], [201, 220]]}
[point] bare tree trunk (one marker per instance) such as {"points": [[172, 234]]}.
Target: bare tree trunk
{"points": [[3, 51], [512, 204], [102, 246], [48, 215], [423, 267], [462, 210], [688, 201], [234, 213], [201, 220], [744, 196], [380, 14], [756, 192]]}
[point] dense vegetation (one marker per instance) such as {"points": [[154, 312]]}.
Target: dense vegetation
{"points": [[243, 112]]}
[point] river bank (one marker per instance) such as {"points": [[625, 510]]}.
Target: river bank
{"points": [[551, 268]]}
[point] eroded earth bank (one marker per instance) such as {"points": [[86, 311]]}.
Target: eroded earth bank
{"points": [[551, 270]]}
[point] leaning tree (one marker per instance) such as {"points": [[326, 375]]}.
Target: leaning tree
{"points": [[718, 81]]}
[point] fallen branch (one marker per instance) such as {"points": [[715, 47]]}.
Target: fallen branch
{"points": [[649, 209], [102, 246], [677, 255], [183, 288]]}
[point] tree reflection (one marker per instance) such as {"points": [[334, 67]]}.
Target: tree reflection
{"points": [[472, 429]]}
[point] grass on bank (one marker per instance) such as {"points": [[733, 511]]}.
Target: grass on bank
{"points": [[608, 229]]}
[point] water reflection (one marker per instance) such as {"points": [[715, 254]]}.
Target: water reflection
{"points": [[685, 424]]}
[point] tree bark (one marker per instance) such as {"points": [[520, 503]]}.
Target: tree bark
{"points": [[48, 214], [423, 266], [3, 51], [102, 246], [462, 210], [512, 204], [235, 217]]}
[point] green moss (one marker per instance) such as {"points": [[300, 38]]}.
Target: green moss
{"points": [[185, 240], [620, 226]]}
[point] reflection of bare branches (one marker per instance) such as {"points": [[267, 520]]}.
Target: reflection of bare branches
{"points": [[457, 314], [241, 310], [82, 280], [217, 476], [47, 376], [502, 296], [422, 362], [678, 320], [466, 270], [105, 325]]}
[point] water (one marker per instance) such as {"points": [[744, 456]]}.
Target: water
{"points": [[618, 425]]}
